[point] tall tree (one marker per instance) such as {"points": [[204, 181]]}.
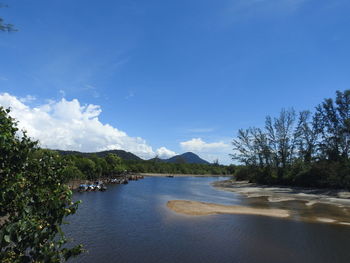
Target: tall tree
{"points": [[284, 136], [333, 120], [243, 148], [306, 137]]}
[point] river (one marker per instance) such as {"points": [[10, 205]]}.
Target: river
{"points": [[131, 223]]}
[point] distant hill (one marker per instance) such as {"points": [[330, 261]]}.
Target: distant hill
{"points": [[187, 157], [122, 154]]}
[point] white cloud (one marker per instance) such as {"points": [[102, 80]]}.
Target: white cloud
{"points": [[197, 144], [165, 153], [209, 151], [68, 125]]}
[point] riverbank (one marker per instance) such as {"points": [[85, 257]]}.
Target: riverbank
{"points": [[182, 175], [298, 204], [275, 194], [195, 208]]}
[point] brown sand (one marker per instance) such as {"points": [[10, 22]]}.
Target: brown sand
{"points": [[195, 208], [276, 194]]}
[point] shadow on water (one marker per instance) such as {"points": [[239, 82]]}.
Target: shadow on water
{"points": [[131, 223]]}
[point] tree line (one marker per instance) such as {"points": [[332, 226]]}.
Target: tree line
{"points": [[154, 166], [93, 167], [303, 149]]}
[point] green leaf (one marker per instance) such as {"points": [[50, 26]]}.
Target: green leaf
{"points": [[7, 238]]}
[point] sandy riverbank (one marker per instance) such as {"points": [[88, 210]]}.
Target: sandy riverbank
{"points": [[276, 194], [200, 208], [300, 204], [181, 175]]}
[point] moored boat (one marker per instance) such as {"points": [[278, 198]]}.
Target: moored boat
{"points": [[82, 187]]}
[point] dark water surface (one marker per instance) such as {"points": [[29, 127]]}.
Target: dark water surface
{"points": [[131, 223]]}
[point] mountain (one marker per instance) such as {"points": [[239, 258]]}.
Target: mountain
{"points": [[187, 157], [122, 154]]}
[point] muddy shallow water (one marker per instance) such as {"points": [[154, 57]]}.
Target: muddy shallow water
{"points": [[309, 205]]}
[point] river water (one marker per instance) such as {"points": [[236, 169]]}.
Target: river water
{"points": [[131, 223]]}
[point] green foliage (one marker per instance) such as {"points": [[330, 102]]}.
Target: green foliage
{"points": [[72, 172], [177, 168], [87, 167], [114, 164], [312, 151], [92, 167], [33, 199]]}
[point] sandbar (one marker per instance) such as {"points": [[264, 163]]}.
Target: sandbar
{"points": [[310, 196], [195, 208]]}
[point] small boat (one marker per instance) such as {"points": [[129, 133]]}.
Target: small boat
{"points": [[83, 188], [91, 187]]}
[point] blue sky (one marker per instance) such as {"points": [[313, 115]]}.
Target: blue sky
{"points": [[184, 75]]}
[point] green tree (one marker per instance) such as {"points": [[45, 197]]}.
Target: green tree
{"points": [[333, 118], [313, 150], [114, 163], [33, 199], [306, 137], [87, 167], [72, 172]]}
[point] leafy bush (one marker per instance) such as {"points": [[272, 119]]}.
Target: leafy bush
{"points": [[33, 199]]}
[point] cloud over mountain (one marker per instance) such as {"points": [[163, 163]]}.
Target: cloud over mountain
{"points": [[165, 153], [210, 151], [68, 125]]}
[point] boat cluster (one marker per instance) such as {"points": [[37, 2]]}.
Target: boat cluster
{"points": [[118, 181], [97, 186], [125, 179], [101, 185]]}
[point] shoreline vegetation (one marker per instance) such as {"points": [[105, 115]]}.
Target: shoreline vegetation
{"points": [[81, 168], [297, 161], [305, 149]]}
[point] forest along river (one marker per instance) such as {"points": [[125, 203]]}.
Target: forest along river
{"points": [[132, 223]]}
